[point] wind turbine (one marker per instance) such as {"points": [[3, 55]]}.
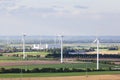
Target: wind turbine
{"points": [[61, 42], [40, 43], [55, 40], [40, 40], [97, 42], [23, 40], [7, 42]]}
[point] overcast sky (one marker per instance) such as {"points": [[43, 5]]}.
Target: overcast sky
{"points": [[66, 17]]}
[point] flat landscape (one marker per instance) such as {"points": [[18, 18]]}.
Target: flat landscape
{"points": [[60, 40], [38, 59], [98, 77], [91, 77], [51, 64]]}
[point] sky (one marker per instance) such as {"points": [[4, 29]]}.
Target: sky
{"points": [[65, 17]]}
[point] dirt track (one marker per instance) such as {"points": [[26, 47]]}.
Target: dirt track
{"points": [[92, 77]]}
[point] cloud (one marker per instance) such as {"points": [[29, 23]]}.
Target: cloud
{"points": [[45, 8], [40, 11], [13, 7], [23, 10], [8, 5], [80, 7]]}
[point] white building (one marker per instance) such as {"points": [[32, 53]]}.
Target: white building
{"points": [[38, 46], [45, 46]]}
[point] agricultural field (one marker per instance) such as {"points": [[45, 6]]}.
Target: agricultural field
{"points": [[34, 53], [102, 45], [106, 51], [16, 56], [52, 64], [9, 61], [63, 76]]}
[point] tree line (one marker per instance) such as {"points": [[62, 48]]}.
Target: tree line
{"points": [[83, 55], [52, 70]]}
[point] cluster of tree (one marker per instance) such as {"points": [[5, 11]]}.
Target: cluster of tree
{"points": [[83, 55], [67, 50], [10, 49], [99, 47], [1, 54], [50, 70], [113, 48], [28, 56], [106, 62], [88, 50]]}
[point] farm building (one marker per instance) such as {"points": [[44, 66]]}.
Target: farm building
{"points": [[45, 46]]}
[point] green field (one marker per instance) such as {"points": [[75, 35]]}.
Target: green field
{"points": [[42, 53], [57, 74], [8, 56], [80, 65], [67, 65]]}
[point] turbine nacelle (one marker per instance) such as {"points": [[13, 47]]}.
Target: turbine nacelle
{"points": [[96, 41]]}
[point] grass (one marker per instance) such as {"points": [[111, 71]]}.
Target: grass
{"points": [[15, 59], [33, 53], [104, 51], [11, 58], [57, 74], [70, 65]]}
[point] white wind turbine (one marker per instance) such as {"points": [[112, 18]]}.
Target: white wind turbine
{"points": [[23, 41], [61, 42], [97, 42], [55, 40]]}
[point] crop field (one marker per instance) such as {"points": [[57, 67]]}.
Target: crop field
{"points": [[42, 54], [105, 51], [9, 61], [51, 64], [63, 76]]}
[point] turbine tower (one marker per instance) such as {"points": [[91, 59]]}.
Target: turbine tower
{"points": [[61, 42], [40, 43], [55, 41], [23, 40], [40, 40], [97, 42]]}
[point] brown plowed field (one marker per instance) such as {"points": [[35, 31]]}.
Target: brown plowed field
{"points": [[92, 77], [33, 62]]}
